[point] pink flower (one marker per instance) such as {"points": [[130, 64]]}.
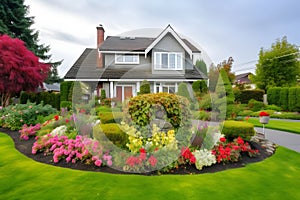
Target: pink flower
{"points": [[109, 163], [98, 162], [152, 160]]}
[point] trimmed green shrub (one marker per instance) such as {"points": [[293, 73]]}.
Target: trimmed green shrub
{"points": [[200, 87], [297, 107], [234, 129], [66, 104], [65, 88], [113, 132], [274, 95], [183, 91], [283, 99], [273, 107], [145, 87], [23, 97], [244, 96], [111, 117], [255, 105], [140, 109], [103, 94]]}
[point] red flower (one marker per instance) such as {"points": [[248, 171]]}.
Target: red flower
{"points": [[56, 117], [142, 150], [67, 120], [240, 141], [222, 139], [263, 114], [192, 159]]}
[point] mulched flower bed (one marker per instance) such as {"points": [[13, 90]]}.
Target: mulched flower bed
{"points": [[24, 146]]}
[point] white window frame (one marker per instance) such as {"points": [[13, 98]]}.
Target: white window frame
{"points": [[158, 63], [123, 56]]}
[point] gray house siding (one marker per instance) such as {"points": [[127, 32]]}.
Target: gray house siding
{"points": [[110, 61], [170, 44]]}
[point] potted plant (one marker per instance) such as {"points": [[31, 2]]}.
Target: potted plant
{"points": [[264, 117]]}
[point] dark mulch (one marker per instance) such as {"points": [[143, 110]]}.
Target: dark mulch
{"points": [[25, 148]]}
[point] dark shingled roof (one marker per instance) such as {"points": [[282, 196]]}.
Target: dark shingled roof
{"points": [[86, 68], [116, 43], [243, 78]]}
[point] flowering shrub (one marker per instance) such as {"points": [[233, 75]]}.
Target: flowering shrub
{"points": [[158, 140], [264, 114], [231, 151], [72, 149], [15, 116], [28, 131], [204, 157]]}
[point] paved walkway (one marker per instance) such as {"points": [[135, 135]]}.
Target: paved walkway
{"points": [[288, 140]]}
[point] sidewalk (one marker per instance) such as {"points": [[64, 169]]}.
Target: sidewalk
{"points": [[288, 140]]}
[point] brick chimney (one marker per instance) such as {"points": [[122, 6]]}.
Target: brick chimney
{"points": [[100, 39]]}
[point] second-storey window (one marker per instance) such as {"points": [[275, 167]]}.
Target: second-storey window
{"points": [[127, 59], [168, 61]]}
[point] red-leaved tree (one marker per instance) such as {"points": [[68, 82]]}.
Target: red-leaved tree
{"points": [[20, 69]]}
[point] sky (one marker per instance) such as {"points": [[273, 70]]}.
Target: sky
{"points": [[222, 29]]}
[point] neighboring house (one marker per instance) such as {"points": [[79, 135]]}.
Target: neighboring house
{"points": [[244, 79], [121, 63], [55, 87]]}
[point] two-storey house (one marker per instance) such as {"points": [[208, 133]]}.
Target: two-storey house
{"points": [[120, 63]]}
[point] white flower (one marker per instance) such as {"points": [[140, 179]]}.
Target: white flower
{"points": [[204, 158], [59, 130]]}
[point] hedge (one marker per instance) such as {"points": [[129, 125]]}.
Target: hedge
{"points": [[111, 117], [244, 96], [113, 132], [234, 129], [273, 95], [287, 98], [52, 99], [283, 99]]}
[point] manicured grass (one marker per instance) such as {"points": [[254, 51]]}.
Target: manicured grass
{"points": [[22, 178], [293, 127]]}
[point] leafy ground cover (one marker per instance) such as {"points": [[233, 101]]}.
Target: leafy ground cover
{"points": [[23, 178], [282, 125]]}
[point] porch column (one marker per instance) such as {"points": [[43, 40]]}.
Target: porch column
{"points": [[138, 85], [154, 87], [176, 87], [111, 89]]}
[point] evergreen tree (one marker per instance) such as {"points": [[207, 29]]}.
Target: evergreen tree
{"points": [[201, 65], [15, 22]]}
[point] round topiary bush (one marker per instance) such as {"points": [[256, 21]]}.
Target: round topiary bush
{"points": [[140, 109]]}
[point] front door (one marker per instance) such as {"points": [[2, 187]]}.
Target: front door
{"points": [[123, 92]]}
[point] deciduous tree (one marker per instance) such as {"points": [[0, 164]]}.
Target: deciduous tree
{"points": [[277, 66], [20, 69]]}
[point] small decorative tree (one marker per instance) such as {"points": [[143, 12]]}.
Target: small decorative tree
{"points": [[183, 91], [20, 69], [145, 87]]}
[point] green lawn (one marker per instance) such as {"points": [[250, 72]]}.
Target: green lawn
{"points": [[23, 178], [293, 127]]}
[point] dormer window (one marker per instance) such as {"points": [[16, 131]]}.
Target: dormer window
{"points": [[127, 59], [168, 61]]}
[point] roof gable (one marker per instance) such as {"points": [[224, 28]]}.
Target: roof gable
{"points": [[170, 30]]}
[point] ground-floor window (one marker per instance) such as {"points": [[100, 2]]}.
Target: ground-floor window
{"points": [[170, 88]]}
